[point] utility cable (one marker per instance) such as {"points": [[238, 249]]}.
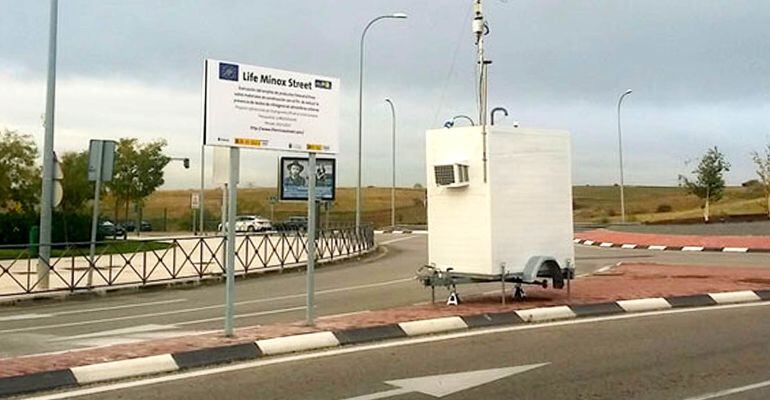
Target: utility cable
{"points": [[466, 19]]}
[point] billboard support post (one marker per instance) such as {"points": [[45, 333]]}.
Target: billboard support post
{"points": [[311, 235], [232, 200], [201, 210], [101, 160], [99, 148]]}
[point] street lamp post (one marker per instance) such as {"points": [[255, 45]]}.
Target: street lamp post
{"points": [[620, 152], [393, 166], [46, 196], [454, 119], [360, 109]]}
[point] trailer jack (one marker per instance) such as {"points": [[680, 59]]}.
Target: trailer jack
{"points": [[518, 292]]}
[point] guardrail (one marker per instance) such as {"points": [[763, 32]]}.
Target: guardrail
{"points": [[154, 260]]}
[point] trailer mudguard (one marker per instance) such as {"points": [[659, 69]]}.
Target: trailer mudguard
{"points": [[543, 267]]}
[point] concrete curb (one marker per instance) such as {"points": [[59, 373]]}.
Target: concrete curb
{"points": [[163, 363], [661, 247], [402, 232]]}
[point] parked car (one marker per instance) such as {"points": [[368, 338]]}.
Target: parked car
{"points": [[109, 229], [251, 223], [131, 226], [296, 223]]}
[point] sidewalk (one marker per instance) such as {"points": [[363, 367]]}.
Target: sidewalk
{"points": [[625, 282], [674, 242]]}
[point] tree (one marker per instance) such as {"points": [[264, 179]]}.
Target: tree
{"points": [[123, 174], [709, 183], [19, 176], [77, 189], [138, 171], [762, 162]]}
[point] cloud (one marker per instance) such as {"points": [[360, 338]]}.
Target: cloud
{"points": [[698, 69]]}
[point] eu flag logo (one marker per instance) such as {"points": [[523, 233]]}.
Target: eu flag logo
{"points": [[228, 72]]}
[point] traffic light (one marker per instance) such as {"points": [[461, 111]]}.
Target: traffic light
{"points": [[186, 163]]}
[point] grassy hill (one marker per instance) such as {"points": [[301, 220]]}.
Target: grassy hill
{"points": [[173, 207], [600, 204], [650, 203]]}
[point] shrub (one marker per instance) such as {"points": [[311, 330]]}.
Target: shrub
{"points": [[751, 182], [664, 208], [15, 227]]}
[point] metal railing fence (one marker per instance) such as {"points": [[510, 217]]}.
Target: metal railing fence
{"points": [[153, 260]]}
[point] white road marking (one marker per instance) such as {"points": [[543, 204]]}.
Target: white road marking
{"points": [[628, 246], [604, 269], [121, 307], [447, 384], [656, 247], [728, 392], [375, 346], [606, 244], [87, 310], [398, 240], [138, 338], [347, 314], [116, 332], [212, 307], [21, 317], [735, 250], [254, 314]]}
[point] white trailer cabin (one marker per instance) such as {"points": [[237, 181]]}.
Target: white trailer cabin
{"points": [[516, 215]]}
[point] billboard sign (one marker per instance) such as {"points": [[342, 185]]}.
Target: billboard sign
{"points": [[293, 178], [264, 108]]}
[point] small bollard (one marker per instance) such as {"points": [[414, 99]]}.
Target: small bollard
{"points": [[502, 282], [34, 238]]}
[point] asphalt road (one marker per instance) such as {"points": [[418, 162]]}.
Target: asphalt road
{"points": [[680, 356], [375, 283]]}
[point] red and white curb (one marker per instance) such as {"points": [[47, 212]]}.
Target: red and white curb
{"points": [[171, 362], [402, 232], [660, 247]]}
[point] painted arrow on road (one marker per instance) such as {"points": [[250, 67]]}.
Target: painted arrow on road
{"points": [[444, 385]]}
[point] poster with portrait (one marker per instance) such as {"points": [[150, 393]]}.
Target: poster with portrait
{"points": [[293, 178]]}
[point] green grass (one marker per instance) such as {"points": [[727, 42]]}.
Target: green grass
{"points": [[81, 250]]}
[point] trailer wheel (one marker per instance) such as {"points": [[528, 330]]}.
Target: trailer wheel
{"points": [[556, 275]]}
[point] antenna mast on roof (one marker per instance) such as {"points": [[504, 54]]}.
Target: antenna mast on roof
{"points": [[480, 29]]}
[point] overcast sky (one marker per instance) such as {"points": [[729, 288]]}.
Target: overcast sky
{"points": [[699, 69]]}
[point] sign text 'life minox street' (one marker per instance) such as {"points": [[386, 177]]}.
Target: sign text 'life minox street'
{"points": [[264, 108]]}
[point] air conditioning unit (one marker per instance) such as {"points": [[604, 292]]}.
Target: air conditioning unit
{"points": [[451, 175]]}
